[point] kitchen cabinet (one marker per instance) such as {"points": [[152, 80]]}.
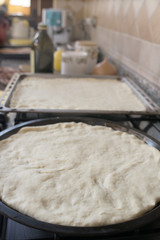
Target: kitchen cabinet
{"points": [[37, 6]]}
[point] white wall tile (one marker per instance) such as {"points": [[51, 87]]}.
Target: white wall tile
{"points": [[137, 4], [151, 6]]}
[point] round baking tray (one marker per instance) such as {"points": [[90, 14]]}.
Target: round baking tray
{"points": [[108, 230]]}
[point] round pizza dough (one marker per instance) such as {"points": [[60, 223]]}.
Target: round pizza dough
{"points": [[76, 174]]}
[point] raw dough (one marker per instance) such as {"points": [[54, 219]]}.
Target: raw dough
{"points": [[92, 94], [78, 175]]}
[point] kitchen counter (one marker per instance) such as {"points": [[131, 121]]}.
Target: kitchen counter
{"points": [[16, 52], [8, 67], [11, 57]]}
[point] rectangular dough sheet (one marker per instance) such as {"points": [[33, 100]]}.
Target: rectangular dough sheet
{"points": [[75, 94]]}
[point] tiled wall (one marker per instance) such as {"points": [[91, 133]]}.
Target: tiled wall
{"points": [[129, 31]]}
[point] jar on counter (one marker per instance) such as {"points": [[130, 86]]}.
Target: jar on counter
{"points": [[74, 63], [91, 49], [42, 49]]}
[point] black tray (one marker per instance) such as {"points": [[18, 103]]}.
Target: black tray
{"points": [[115, 229]]}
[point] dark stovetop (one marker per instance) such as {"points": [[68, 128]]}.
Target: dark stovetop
{"points": [[14, 231]]}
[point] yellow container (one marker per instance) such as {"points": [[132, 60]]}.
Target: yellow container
{"points": [[21, 42], [57, 60]]}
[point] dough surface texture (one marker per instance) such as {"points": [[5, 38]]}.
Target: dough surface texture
{"points": [[76, 174], [75, 94]]}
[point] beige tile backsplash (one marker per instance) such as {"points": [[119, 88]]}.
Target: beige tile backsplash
{"points": [[128, 30]]}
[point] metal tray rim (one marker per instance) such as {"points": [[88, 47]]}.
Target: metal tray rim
{"points": [[151, 107]]}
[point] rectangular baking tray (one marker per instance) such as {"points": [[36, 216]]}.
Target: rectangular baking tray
{"points": [[151, 107]]}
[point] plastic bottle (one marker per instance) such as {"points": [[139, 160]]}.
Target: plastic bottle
{"points": [[58, 59], [42, 49]]}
